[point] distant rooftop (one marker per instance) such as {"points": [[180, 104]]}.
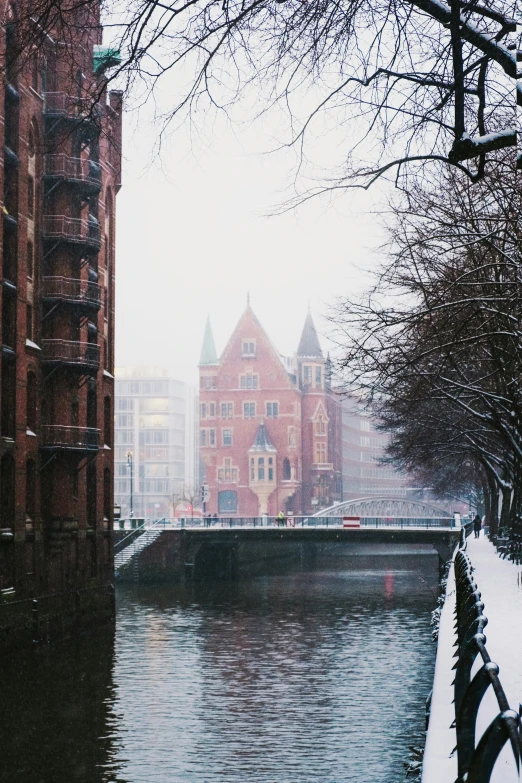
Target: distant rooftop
{"points": [[262, 442], [309, 345]]}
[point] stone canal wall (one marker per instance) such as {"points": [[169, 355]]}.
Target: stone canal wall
{"points": [[186, 555]]}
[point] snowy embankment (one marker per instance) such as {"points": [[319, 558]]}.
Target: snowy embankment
{"points": [[500, 584]]}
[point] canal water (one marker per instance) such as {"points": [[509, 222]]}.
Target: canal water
{"points": [[317, 675]]}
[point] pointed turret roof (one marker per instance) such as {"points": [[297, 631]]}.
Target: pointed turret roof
{"points": [[262, 442], [208, 349], [309, 345]]}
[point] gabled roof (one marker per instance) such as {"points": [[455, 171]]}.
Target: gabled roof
{"points": [[262, 442], [309, 345], [208, 349]]}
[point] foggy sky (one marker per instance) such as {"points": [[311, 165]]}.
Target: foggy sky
{"points": [[193, 238]]}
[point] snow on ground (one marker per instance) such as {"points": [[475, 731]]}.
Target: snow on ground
{"points": [[500, 583]]}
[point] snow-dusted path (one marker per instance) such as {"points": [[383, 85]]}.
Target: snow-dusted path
{"points": [[500, 583]]}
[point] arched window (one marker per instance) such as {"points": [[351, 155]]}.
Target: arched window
{"points": [[31, 401], [32, 141], [91, 408], [261, 469], [7, 491], [286, 469], [107, 421], [107, 494], [30, 489]]}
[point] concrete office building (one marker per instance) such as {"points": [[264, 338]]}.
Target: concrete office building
{"points": [[155, 425]]}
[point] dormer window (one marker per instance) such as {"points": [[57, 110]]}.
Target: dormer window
{"points": [[307, 374], [248, 348]]}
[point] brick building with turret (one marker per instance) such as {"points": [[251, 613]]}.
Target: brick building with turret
{"points": [[269, 425], [59, 179]]}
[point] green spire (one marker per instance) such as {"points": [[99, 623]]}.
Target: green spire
{"points": [[208, 349]]}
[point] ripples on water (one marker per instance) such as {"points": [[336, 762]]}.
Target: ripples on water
{"points": [[317, 676]]}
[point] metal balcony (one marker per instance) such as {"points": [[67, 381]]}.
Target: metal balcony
{"points": [[76, 230], [62, 437], [71, 107], [82, 293], [81, 355], [78, 171]]}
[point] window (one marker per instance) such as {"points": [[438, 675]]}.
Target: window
{"points": [[261, 469], [270, 469], [30, 488], [212, 410], [125, 404], [29, 322], [252, 470], [226, 410], [107, 493], [31, 401], [227, 473], [107, 433], [203, 410], [272, 410], [292, 440], [320, 452], [30, 260], [227, 437], [365, 425], [30, 197], [125, 420], [208, 382], [227, 501], [320, 426], [307, 374], [318, 376], [249, 348], [286, 469], [249, 410], [249, 381], [134, 388], [207, 437]]}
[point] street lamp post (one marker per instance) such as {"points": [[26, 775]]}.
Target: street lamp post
{"points": [[129, 463]]}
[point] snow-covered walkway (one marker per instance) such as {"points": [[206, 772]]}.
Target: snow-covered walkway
{"points": [[500, 583]]}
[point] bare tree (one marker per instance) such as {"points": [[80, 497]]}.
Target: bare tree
{"points": [[403, 82], [438, 342], [189, 495]]}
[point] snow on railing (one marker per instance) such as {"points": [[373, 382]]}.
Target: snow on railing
{"points": [[82, 169], [476, 761]]}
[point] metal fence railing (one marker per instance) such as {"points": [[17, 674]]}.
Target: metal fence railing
{"points": [[67, 289], [294, 522], [477, 759]]}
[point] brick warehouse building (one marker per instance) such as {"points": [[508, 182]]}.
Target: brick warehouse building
{"points": [[60, 175], [269, 425]]}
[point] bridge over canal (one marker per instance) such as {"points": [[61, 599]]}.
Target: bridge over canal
{"points": [[198, 553]]}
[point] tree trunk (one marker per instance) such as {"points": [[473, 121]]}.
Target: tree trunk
{"points": [[505, 514]]}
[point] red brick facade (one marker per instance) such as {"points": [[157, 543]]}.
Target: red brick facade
{"points": [[59, 179], [269, 434]]}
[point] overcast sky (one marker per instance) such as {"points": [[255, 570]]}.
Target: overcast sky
{"points": [[193, 238]]}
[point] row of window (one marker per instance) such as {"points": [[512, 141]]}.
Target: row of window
{"points": [[247, 380], [126, 437], [208, 437], [153, 486], [7, 487], [142, 387], [209, 410], [261, 469]]}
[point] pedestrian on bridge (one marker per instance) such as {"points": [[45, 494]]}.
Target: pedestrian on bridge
{"points": [[281, 519], [477, 525]]}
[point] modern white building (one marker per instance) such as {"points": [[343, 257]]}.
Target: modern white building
{"points": [[154, 439]]}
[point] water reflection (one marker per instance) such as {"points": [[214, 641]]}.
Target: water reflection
{"points": [[300, 677]]}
